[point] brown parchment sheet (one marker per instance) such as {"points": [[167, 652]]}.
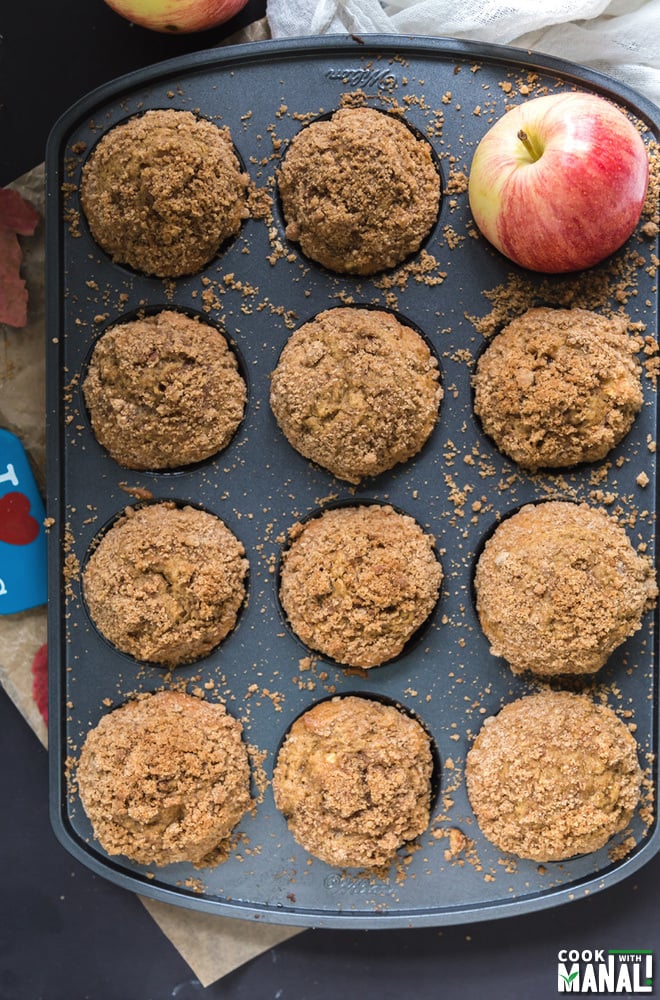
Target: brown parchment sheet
{"points": [[212, 946], [23, 411]]}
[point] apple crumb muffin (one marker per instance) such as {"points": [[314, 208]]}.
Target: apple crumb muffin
{"points": [[165, 583], [163, 391], [359, 191], [357, 582], [558, 387], [559, 587], [553, 775], [165, 778], [356, 391], [163, 191], [353, 779]]}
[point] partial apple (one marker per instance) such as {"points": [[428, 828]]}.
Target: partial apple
{"points": [[558, 183], [177, 16]]}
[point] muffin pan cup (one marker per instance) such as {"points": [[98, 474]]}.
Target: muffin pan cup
{"points": [[259, 289]]}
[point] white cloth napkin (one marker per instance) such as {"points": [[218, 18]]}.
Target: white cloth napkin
{"points": [[619, 37]]}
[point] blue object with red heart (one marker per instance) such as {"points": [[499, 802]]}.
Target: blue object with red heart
{"points": [[23, 577]]}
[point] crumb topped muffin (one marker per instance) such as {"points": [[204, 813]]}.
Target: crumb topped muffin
{"points": [[356, 391], [553, 775], [163, 391], [558, 387], [559, 587], [165, 778], [358, 582], [359, 191], [353, 779], [163, 191], [165, 583]]}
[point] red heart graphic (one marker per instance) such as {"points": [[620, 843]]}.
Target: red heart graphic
{"points": [[17, 526]]}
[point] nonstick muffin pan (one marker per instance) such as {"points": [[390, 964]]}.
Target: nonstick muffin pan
{"points": [[456, 290]]}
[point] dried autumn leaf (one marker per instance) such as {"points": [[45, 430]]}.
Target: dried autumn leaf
{"points": [[17, 218]]}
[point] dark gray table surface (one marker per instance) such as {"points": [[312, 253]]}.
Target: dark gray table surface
{"points": [[66, 934]]}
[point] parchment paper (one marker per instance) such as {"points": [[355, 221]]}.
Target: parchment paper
{"points": [[212, 946], [23, 411]]}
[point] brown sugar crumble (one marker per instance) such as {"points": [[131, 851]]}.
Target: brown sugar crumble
{"points": [[358, 581], [165, 583], [353, 780], [163, 391], [559, 587], [356, 391], [359, 192], [570, 767], [187, 168], [165, 778], [558, 387]]}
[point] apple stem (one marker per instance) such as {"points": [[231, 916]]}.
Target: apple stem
{"points": [[529, 145]]}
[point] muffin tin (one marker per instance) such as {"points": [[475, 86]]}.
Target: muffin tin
{"points": [[258, 289]]}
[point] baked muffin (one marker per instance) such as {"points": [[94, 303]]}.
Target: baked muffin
{"points": [[553, 775], [165, 778], [163, 191], [165, 583], [558, 386], [356, 583], [353, 779], [163, 391], [356, 391], [359, 191], [559, 587]]}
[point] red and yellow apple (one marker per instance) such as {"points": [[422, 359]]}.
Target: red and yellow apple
{"points": [[558, 183], [177, 16]]}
